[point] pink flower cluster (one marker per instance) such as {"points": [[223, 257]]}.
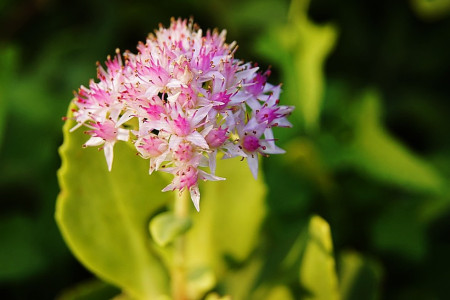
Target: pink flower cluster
{"points": [[181, 100]]}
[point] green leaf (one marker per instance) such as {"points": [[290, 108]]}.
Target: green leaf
{"points": [[359, 277], [165, 227], [215, 296], [317, 270], [431, 10], [90, 290], [104, 216], [8, 62], [279, 292], [241, 282], [382, 156], [269, 12], [301, 48], [400, 230], [200, 281], [227, 229]]}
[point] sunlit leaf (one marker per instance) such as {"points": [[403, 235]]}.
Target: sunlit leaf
{"points": [[200, 281], [165, 227], [317, 269], [104, 216], [382, 156], [359, 277], [227, 229], [431, 9], [240, 282], [215, 296], [279, 292]]}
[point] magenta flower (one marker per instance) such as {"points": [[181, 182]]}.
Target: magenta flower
{"points": [[182, 100]]}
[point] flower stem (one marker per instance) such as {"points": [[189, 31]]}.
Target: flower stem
{"points": [[181, 210]]}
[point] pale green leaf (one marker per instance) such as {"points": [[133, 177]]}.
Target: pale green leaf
{"points": [[200, 281], [165, 227], [359, 277], [317, 270], [240, 282], [215, 296], [382, 156], [90, 290], [278, 292], [104, 216], [227, 229]]}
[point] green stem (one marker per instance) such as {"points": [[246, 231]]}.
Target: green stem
{"points": [[181, 210]]}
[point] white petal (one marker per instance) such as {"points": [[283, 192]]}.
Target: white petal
{"points": [[271, 148], [75, 127], [157, 124], [284, 110], [108, 148], [153, 90], [160, 159], [173, 98], [233, 150], [195, 196], [169, 187], [253, 164], [212, 161], [206, 176], [151, 167], [170, 170], [239, 97], [123, 134], [174, 141], [207, 130], [253, 103], [197, 139], [94, 141], [114, 112], [199, 115], [253, 125], [269, 139], [174, 83], [231, 122], [283, 122], [128, 115], [268, 134], [246, 73]]}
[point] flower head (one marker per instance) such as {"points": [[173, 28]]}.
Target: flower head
{"points": [[191, 99]]}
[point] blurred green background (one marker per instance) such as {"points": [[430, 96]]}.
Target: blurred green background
{"points": [[369, 151]]}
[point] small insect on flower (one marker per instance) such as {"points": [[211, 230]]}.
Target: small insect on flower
{"points": [[190, 99]]}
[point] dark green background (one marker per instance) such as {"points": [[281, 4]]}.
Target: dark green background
{"points": [[48, 48]]}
